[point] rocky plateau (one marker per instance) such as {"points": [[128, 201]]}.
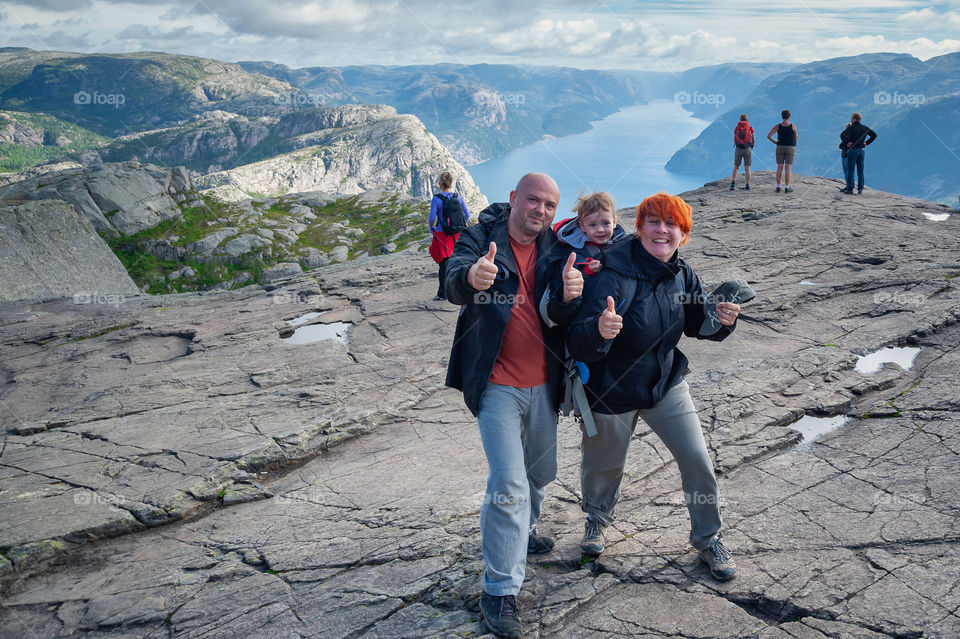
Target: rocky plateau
{"points": [[177, 466]]}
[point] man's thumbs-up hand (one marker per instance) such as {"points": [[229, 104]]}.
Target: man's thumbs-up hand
{"points": [[572, 280], [482, 274]]}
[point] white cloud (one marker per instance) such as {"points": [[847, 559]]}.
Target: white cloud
{"points": [[927, 16], [601, 35]]}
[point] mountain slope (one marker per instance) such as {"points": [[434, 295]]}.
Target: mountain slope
{"points": [[124, 93]]}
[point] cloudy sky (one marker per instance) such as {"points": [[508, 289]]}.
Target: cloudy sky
{"points": [[600, 35]]}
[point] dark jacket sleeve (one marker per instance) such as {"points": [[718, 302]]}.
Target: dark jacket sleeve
{"points": [[693, 312], [469, 248], [871, 136], [583, 336]]}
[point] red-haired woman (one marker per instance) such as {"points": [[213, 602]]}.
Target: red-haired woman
{"points": [[636, 370]]}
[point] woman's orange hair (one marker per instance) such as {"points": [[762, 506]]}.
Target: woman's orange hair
{"points": [[666, 206]]}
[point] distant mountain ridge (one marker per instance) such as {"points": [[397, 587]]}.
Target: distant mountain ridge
{"points": [[912, 104], [481, 111]]}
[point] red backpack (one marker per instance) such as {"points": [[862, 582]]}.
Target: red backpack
{"points": [[742, 134]]}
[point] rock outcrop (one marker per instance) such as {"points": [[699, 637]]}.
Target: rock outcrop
{"points": [[48, 251], [116, 198], [348, 150], [119, 419]]}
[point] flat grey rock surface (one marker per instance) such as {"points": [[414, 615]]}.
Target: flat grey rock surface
{"points": [[48, 250], [172, 467]]}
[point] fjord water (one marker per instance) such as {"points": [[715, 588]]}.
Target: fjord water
{"points": [[623, 154]]}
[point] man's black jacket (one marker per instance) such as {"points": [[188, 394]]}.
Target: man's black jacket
{"points": [[484, 314]]}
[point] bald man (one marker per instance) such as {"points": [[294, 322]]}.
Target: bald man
{"points": [[509, 366]]}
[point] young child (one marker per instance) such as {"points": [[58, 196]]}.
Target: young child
{"points": [[594, 230]]}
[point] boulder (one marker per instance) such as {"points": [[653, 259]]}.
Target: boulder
{"points": [[282, 271]]}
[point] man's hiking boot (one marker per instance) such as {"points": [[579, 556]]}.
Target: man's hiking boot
{"points": [[592, 542], [778, 188], [501, 615], [732, 185], [718, 558], [787, 189], [746, 188], [539, 544]]}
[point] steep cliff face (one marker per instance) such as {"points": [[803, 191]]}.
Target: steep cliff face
{"points": [[364, 149]]}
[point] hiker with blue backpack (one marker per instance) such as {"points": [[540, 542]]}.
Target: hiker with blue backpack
{"points": [[630, 320], [448, 216]]}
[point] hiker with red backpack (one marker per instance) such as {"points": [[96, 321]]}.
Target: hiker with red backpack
{"points": [[743, 140], [448, 216]]}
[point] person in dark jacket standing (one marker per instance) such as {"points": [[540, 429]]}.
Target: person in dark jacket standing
{"points": [[786, 148], [857, 137], [509, 365], [636, 371], [441, 245]]}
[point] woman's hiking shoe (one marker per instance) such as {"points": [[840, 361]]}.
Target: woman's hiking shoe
{"points": [[539, 544], [718, 558], [501, 615], [732, 185], [592, 542]]}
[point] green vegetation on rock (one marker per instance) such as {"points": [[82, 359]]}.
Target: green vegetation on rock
{"points": [[362, 227]]}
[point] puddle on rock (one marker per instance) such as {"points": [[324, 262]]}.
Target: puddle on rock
{"points": [[902, 356], [317, 332], [814, 427], [808, 283], [937, 217]]}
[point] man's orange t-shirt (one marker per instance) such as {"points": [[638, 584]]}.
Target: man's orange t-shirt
{"points": [[522, 361]]}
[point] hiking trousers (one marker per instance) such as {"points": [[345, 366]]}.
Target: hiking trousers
{"points": [[518, 428], [674, 420]]}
